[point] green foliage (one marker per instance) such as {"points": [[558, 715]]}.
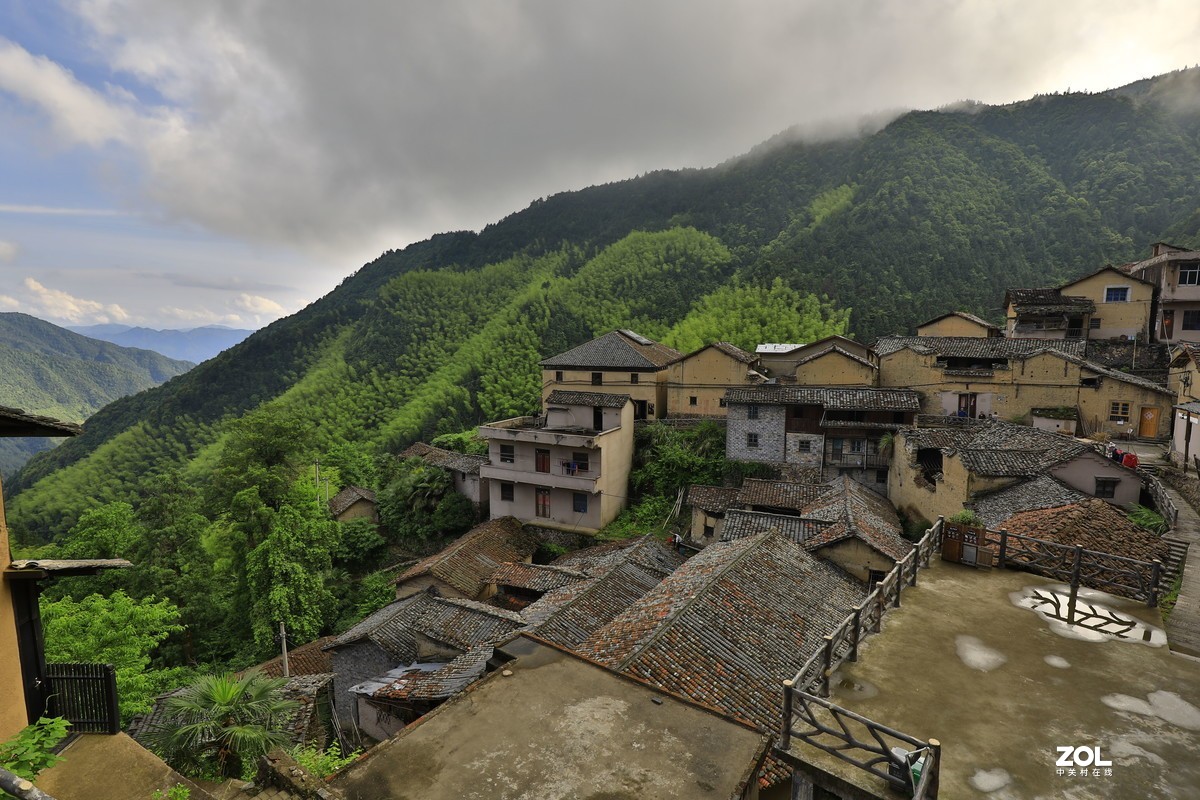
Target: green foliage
{"points": [[965, 517], [220, 724], [1148, 518], [360, 543], [176, 792], [115, 630], [31, 750], [323, 763], [650, 515], [418, 504], [670, 459], [462, 442]]}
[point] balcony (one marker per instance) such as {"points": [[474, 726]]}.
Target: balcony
{"points": [[864, 460], [560, 475], [534, 429]]}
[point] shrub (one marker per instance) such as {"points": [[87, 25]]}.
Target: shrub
{"points": [[30, 751], [966, 517], [323, 763]]}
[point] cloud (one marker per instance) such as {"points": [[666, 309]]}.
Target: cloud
{"points": [[255, 304], [202, 315], [305, 124], [58, 304], [11, 303], [8, 208], [8, 251]]}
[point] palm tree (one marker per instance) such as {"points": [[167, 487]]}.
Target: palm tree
{"points": [[224, 722]]}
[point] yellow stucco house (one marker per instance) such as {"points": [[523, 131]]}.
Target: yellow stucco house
{"points": [[958, 323], [620, 362], [832, 361], [1107, 304], [696, 383]]}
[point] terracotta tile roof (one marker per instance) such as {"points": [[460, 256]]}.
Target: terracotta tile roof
{"points": [[594, 399], [535, 577], [779, 494], [645, 551], [964, 315], [829, 397], [1042, 491], [390, 628], [997, 448], [620, 349], [455, 676], [729, 626], [468, 463], [740, 524], [463, 624], [860, 513], [1092, 523], [467, 564], [714, 499], [348, 497], [984, 348], [307, 659]]}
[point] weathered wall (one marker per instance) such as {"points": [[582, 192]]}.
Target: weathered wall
{"points": [[353, 664], [360, 509], [856, 558], [696, 385], [835, 369], [954, 326], [650, 385], [1130, 318], [422, 582], [1082, 472], [12, 708], [771, 427]]}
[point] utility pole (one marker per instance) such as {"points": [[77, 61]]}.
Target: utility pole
{"points": [[317, 482], [283, 644]]}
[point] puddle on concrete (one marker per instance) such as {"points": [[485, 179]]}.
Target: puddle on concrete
{"points": [[1092, 621], [1126, 752], [1167, 706], [1058, 662], [991, 780], [853, 687], [977, 655]]}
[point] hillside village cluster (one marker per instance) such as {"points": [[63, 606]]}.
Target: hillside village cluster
{"points": [[656, 667]]}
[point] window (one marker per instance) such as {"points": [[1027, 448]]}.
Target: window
{"points": [[1116, 294], [507, 492], [691, 400], [751, 412], [507, 454], [558, 376], [898, 417], [875, 576], [542, 506], [751, 440], [579, 502], [633, 377], [1118, 412], [709, 531], [1107, 487], [804, 446], [1094, 323], [1189, 274], [579, 462], [597, 379], [721, 402], [1191, 320], [858, 445], [881, 476], [541, 460]]}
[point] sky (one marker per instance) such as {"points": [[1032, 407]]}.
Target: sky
{"points": [[175, 163]]}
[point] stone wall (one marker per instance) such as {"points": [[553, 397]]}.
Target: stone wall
{"points": [[771, 427]]}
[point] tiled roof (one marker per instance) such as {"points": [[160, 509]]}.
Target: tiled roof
{"points": [[734, 351], [983, 348], [1042, 491], [1117, 375], [998, 448], [450, 679], [1047, 301], [535, 577], [619, 349], [15, 422], [467, 564], [964, 315], [468, 463], [835, 349], [463, 624], [1092, 523], [714, 499], [390, 627], [307, 659], [727, 627], [593, 399], [645, 551], [741, 524], [829, 397], [858, 512], [779, 494], [348, 497]]}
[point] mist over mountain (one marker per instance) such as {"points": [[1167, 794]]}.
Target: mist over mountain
{"points": [[192, 344]]}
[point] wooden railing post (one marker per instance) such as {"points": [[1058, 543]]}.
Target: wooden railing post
{"points": [[110, 691], [785, 733], [1074, 584], [935, 769], [880, 605], [854, 633], [1003, 548], [1155, 578], [828, 666], [899, 584]]}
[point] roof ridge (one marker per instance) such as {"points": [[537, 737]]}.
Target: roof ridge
{"points": [[752, 543]]}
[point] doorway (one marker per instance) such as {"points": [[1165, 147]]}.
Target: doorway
{"points": [[1148, 422], [967, 404]]}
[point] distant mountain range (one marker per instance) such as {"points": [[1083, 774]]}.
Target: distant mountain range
{"points": [[193, 344], [45, 369]]}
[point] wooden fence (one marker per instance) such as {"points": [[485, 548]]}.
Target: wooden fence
{"points": [[85, 695]]}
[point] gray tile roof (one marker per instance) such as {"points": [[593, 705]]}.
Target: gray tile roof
{"points": [[858, 512], [1042, 491], [779, 494], [620, 349], [592, 399], [740, 524], [1047, 301], [997, 448], [468, 463], [463, 624], [15, 422], [467, 563], [964, 315], [983, 348], [535, 577], [450, 679], [835, 349], [828, 397], [646, 551], [714, 499], [734, 351], [390, 628], [348, 497]]}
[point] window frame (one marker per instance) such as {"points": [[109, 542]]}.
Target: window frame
{"points": [[1193, 271], [541, 502], [752, 439], [752, 411], [1106, 487], [1125, 289], [508, 454], [541, 455], [558, 376], [633, 377], [509, 488], [576, 497], [1195, 326], [597, 379], [1118, 411]]}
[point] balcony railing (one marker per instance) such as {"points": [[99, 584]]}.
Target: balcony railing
{"points": [[581, 469], [845, 458]]}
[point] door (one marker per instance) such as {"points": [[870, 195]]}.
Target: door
{"points": [[542, 462], [639, 409], [597, 418], [1148, 427], [542, 502], [966, 405]]}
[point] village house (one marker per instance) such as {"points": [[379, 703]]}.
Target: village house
{"points": [[958, 323], [983, 377], [835, 429], [620, 362], [1175, 272], [463, 468], [696, 383], [1107, 304], [1185, 437], [709, 504], [832, 361], [1184, 372], [728, 627], [464, 568], [945, 466], [567, 469], [354, 502]]}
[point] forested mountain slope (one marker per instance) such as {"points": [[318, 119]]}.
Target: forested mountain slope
{"points": [[938, 210], [45, 369]]}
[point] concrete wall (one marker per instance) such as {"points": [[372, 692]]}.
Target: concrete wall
{"points": [[651, 385], [1131, 319], [1083, 471], [835, 369], [704, 376], [954, 325], [1064, 426], [562, 504], [12, 687], [700, 519], [771, 427], [613, 485]]}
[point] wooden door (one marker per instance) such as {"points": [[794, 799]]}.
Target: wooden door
{"points": [[1148, 426], [542, 460]]}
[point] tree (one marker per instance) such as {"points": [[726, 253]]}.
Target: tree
{"points": [[221, 724]]}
